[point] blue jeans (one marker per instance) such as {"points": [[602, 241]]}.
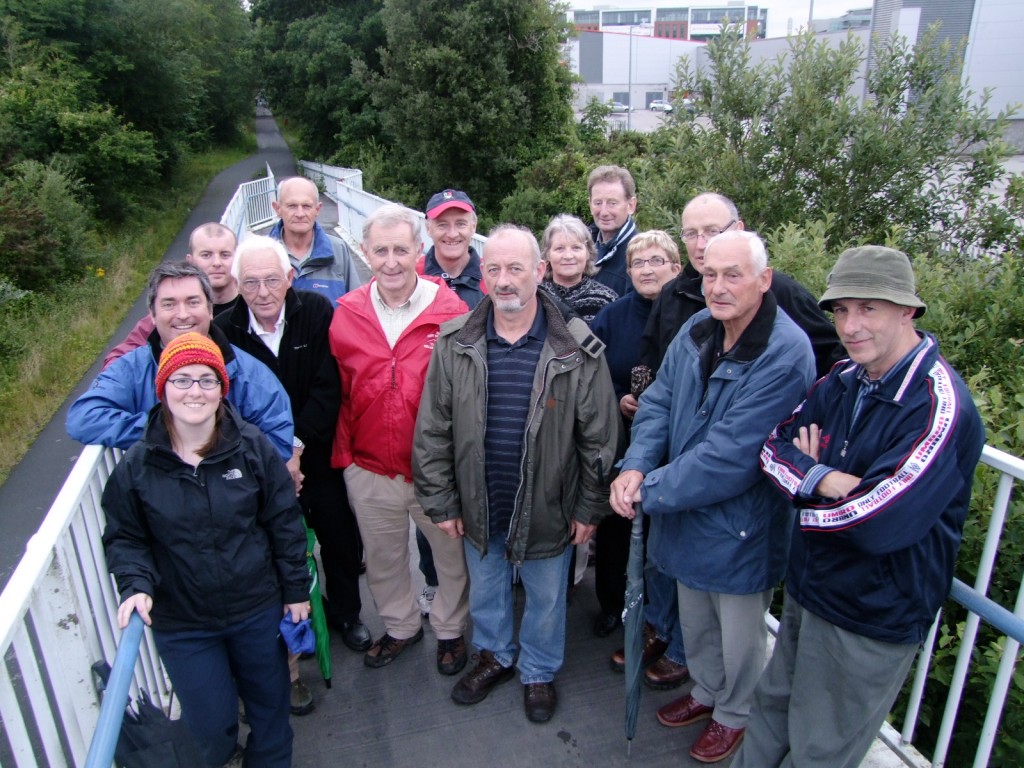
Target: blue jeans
{"points": [[542, 632], [210, 669], [662, 612]]}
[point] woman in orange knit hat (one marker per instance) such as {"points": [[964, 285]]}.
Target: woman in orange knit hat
{"points": [[205, 540]]}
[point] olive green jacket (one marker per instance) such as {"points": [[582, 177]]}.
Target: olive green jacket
{"points": [[574, 435]]}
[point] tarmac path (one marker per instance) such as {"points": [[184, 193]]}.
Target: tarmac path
{"points": [[33, 484]]}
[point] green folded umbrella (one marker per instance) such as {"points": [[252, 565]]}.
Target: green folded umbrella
{"points": [[317, 615]]}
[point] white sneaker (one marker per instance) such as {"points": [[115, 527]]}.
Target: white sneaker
{"points": [[426, 599]]}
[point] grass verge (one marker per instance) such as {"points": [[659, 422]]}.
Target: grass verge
{"points": [[59, 336]]}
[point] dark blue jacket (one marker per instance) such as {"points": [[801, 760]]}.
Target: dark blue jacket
{"points": [[468, 284], [717, 525], [620, 325], [612, 263], [880, 562]]}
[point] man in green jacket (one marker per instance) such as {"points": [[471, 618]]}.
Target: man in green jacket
{"points": [[513, 446]]}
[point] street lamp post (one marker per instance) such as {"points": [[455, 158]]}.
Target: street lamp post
{"points": [[629, 93], [629, 87]]}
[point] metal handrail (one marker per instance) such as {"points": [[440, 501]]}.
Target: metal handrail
{"points": [[115, 697]]}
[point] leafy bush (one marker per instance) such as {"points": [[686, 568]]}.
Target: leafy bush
{"points": [[789, 141], [46, 234]]}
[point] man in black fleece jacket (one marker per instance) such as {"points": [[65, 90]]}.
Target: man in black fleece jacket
{"points": [[286, 330]]}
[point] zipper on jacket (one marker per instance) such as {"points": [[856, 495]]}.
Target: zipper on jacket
{"points": [[522, 462], [394, 365], [473, 352]]}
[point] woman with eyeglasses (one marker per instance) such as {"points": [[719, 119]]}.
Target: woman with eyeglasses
{"points": [[568, 248], [205, 540], [652, 259]]}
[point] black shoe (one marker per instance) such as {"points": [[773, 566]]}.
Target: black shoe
{"points": [[539, 701], [451, 656], [478, 682], [355, 635], [387, 649], [606, 623], [301, 701]]}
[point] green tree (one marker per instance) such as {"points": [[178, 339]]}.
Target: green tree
{"points": [[46, 112], [471, 92], [791, 142], [46, 234], [306, 62]]}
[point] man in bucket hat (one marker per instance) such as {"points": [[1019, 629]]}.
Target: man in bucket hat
{"points": [[879, 462]]}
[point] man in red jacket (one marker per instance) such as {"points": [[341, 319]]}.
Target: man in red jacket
{"points": [[382, 335]]}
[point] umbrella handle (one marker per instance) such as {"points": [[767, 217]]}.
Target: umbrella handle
{"points": [[638, 519]]}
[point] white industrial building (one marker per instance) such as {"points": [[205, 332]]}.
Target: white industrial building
{"points": [[633, 66]]}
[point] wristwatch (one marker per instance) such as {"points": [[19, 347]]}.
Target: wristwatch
{"points": [[296, 443]]}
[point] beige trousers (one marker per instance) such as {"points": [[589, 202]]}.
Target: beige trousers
{"points": [[383, 507]]}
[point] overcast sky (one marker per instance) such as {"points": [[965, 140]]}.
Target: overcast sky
{"points": [[779, 11]]}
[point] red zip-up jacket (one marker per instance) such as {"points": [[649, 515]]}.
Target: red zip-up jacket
{"points": [[380, 386]]}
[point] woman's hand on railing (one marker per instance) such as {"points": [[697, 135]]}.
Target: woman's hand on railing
{"points": [[140, 602]]}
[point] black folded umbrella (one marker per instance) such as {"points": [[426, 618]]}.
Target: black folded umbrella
{"points": [[633, 621]]}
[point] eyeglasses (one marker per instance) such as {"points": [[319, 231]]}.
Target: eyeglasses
{"points": [[654, 261], [689, 235], [186, 382], [252, 284]]}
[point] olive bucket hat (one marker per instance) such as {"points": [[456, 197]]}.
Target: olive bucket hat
{"points": [[873, 272]]}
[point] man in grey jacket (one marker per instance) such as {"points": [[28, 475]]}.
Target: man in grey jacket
{"points": [[511, 453]]}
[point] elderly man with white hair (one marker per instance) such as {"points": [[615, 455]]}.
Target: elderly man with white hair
{"points": [[717, 525], [382, 335], [286, 330]]}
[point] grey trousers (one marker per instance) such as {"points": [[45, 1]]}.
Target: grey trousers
{"points": [[823, 695], [725, 640]]}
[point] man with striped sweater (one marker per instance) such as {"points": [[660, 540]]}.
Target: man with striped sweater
{"points": [[879, 461]]}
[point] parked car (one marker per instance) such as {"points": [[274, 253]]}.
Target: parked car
{"points": [[618, 106], [660, 105]]}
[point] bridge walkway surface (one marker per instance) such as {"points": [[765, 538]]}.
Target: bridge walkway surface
{"points": [[402, 716]]}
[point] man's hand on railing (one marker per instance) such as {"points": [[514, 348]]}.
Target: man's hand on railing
{"points": [[140, 602]]}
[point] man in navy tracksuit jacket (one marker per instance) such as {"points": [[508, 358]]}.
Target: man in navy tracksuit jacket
{"points": [[879, 461]]}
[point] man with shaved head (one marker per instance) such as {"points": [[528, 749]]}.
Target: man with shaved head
{"points": [[322, 262], [211, 247]]}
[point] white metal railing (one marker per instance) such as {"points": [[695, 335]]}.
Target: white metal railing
{"points": [[345, 187], [250, 206], [58, 615], [1011, 469]]}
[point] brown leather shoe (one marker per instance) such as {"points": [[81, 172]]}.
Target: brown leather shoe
{"points": [[451, 655], [683, 711], [665, 674], [653, 648], [716, 743], [387, 649], [539, 701], [478, 682]]}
